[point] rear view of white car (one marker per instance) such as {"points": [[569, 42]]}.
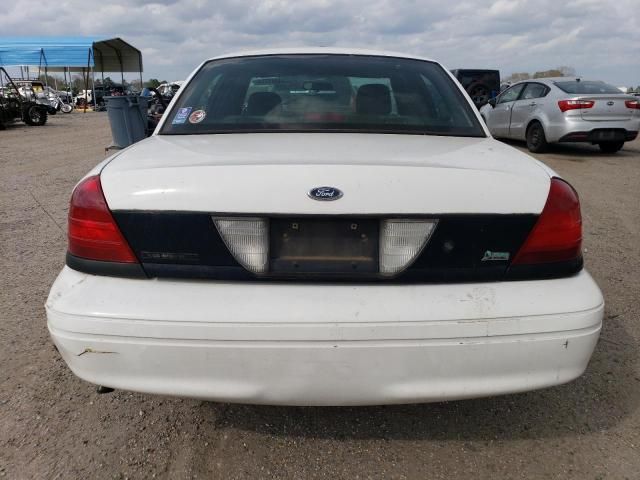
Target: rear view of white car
{"points": [[324, 227], [555, 110]]}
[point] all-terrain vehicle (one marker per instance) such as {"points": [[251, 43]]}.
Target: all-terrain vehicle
{"points": [[15, 106], [39, 92]]}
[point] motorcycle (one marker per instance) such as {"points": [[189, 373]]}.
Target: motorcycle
{"points": [[59, 104]]}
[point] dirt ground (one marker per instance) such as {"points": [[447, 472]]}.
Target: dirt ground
{"points": [[53, 425]]}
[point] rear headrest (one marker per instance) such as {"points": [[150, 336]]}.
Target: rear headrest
{"points": [[373, 98], [261, 103]]}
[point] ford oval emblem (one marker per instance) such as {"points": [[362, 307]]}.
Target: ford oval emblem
{"points": [[325, 193], [610, 103]]}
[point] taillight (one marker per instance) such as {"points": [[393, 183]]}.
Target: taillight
{"points": [[632, 104], [575, 104], [93, 233], [557, 235]]}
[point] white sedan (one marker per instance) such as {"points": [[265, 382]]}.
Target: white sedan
{"points": [[324, 227]]}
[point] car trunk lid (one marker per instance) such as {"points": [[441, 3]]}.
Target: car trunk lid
{"points": [[273, 174], [606, 108]]}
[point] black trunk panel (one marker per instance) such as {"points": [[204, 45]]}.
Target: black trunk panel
{"points": [[462, 248], [461, 241], [174, 238]]}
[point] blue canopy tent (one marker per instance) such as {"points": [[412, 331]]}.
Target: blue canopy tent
{"points": [[63, 54]]}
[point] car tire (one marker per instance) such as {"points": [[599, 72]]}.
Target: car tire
{"points": [[536, 139], [35, 116], [479, 93], [610, 147]]}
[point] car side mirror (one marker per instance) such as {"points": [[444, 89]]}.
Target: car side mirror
{"points": [[492, 102]]}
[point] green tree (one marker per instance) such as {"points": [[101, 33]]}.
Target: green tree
{"points": [[567, 71], [52, 80], [554, 72], [152, 83], [78, 84], [135, 85], [563, 71], [517, 77], [108, 82]]}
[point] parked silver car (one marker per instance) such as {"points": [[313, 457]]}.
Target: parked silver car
{"points": [[564, 109]]}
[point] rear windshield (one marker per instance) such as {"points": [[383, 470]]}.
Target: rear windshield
{"points": [[322, 93], [587, 87]]}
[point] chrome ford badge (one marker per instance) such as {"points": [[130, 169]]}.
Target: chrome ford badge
{"points": [[325, 193]]}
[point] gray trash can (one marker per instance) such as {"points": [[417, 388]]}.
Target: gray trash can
{"points": [[128, 119]]}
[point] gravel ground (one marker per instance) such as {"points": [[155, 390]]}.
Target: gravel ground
{"points": [[53, 425]]}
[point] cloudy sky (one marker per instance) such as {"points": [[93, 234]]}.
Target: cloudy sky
{"points": [[599, 38]]}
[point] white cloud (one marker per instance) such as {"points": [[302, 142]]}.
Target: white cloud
{"points": [[599, 38]]}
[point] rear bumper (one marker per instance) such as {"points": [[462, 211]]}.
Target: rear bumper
{"points": [[593, 136], [324, 345], [575, 129]]}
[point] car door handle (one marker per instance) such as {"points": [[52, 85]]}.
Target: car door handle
{"points": [[532, 104]]}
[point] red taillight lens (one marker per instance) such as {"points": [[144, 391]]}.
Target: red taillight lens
{"points": [[632, 104], [575, 104], [557, 235], [93, 233]]}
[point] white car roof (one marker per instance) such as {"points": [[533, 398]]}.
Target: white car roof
{"points": [[321, 50]]}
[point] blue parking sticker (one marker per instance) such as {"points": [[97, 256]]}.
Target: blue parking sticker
{"points": [[181, 116]]}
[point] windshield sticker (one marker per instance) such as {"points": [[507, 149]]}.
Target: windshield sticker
{"points": [[197, 116], [181, 116]]}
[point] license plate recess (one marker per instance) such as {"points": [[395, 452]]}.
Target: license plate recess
{"points": [[323, 246]]}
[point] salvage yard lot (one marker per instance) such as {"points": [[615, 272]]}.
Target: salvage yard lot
{"points": [[53, 425]]}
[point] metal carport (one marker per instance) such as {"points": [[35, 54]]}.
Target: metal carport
{"points": [[64, 54]]}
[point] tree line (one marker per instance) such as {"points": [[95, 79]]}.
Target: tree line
{"points": [[562, 71], [77, 83]]}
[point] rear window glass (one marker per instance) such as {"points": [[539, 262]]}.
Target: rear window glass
{"points": [[587, 87], [322, 93]]}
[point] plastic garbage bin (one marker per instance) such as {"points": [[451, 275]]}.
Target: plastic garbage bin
{"points": [[128, 119]]}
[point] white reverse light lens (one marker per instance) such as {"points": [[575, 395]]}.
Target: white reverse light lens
{"points": [[247, 239], [401, 240]]}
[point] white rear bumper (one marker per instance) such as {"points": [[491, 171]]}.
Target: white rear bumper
{"points": [[324, 344]]}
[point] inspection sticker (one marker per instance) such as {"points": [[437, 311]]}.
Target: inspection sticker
{"points": [[181, 116], [197, 116]]}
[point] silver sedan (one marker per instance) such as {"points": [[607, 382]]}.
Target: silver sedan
{"points": [[564, 109]]}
